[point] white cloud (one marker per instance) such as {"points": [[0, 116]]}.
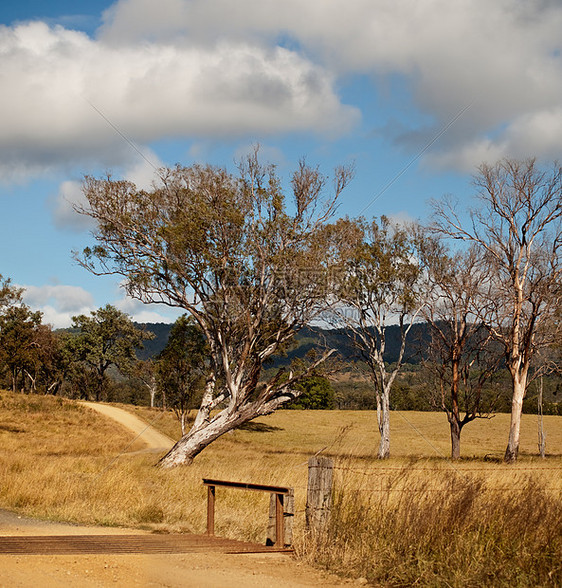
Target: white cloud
{"points": [[402, 218], [63, 207], [68, 99], [58, 303], [503, 57], [144, 172], [147, 313], [208, 69]]}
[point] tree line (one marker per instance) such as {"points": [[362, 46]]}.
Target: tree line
{"points": [[252, 266], [97, 358]]}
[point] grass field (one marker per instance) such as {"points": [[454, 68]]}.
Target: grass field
{"points": [[416, 518], [414, 434]]}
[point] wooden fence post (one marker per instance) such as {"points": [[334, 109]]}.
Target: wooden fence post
{"points": [[210, 510], [319, 494], [288, 514]]}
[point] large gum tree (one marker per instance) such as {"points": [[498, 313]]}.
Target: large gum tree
{"points": [[517, 231], [246, 262], [380, 283]]}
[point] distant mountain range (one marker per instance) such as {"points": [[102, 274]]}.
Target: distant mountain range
{"points": [[310, 338]]}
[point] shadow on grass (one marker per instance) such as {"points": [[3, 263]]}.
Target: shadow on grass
{"points": [[259, 428], [11, 429]]}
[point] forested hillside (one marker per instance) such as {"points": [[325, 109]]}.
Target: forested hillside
{"points": [[313, 338]]}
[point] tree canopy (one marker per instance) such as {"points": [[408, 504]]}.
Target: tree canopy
{"points": [[234, 252], [106, 338]]}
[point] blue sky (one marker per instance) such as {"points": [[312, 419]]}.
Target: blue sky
{"points": [[415, 93]]}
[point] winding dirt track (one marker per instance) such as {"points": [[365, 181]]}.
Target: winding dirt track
{"points": [[154, 440]]}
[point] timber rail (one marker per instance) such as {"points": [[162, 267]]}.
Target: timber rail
{"points": [[122, 544], [279, 491]]}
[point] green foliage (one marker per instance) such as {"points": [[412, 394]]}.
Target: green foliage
{"points": [[181, 366], [317, 394], [233, 252], [106, 338], [18, 346], [383, 269], [9, 295]]}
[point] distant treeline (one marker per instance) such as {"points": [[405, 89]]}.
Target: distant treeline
{"points": [[412, 388]]}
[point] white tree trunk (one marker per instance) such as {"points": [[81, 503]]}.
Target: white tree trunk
{"points": [[241, 409], [204, 412], [190, 445], [384, 425], [152, 389], [519, 388]]}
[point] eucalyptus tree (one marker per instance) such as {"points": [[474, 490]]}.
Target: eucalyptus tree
{"points": [[235, 253], [381, 282], [9, 294], [181, 366], [517, 230], [145, 372], [461, 350], [18, 340], [107, 337]]}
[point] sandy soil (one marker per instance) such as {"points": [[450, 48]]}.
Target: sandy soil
{"points": [[192, 569]]}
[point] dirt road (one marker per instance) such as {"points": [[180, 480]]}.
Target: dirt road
{"points": [[154, 440], [199, 570]]}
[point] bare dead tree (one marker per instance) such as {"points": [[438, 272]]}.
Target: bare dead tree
{"points": [[461, 351], [517, 231]]}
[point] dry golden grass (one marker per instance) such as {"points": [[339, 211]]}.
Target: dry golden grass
{"points": [[413, 434], [64, 462]]}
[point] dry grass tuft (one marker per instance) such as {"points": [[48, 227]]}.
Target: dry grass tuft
{"points": [[452, 528]]}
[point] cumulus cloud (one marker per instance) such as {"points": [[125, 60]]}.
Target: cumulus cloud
{"points": [[208, 69], [147, 313], [70, 98], [502, 57], [58, 303]]}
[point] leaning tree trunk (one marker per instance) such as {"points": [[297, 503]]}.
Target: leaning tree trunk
{"points": [[243, 407], [190, 445], [519, 386]]}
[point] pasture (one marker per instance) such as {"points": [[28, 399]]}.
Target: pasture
{"points": [[417, 517]]}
